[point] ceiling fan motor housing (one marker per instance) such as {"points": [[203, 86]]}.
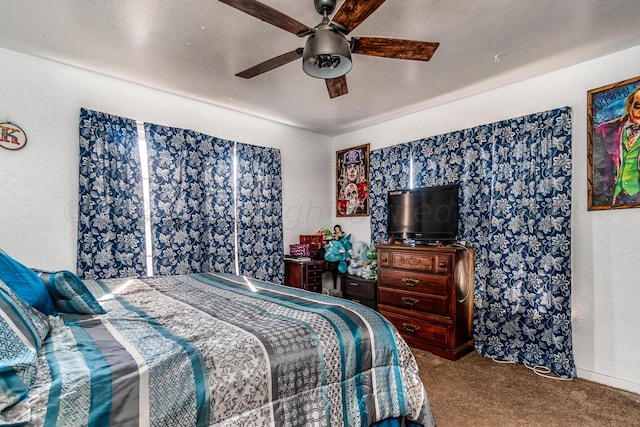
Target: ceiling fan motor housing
{"points": [[325, 6], [327, 54]]}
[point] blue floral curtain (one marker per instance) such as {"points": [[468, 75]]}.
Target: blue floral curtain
{"points": [[259, 213], [464, 157], [515, 205], [523, 308], [389, 170], [192, 205], [111, 209]]}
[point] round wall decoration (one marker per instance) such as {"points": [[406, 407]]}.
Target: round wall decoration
{"points": [[12, 137]]}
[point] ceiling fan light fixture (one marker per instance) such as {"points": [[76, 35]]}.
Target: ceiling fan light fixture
{"points": [[327, 54]]}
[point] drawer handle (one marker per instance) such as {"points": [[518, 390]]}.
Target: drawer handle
{"points": [[410, 328], [410, 301], [410, 282], [353, 284], [442, 265]]}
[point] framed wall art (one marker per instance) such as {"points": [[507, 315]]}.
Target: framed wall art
{"points": [[613, 134], [352, 181]]}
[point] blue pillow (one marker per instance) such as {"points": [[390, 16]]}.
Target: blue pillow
{"points": [[69, 293], [26, 284], [22, 331]]}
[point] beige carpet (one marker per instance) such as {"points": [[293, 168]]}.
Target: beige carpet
{"points": [[476, 391]]}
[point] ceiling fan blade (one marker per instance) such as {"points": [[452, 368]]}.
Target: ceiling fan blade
{"points": [[271, 64], [337, 86], [353, 12], [394, 48], [270, 15]]}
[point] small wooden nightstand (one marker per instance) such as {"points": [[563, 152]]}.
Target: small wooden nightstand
{"points": [[359, 290], [304, 274]]}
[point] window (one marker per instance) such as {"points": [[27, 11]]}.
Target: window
{"points": [[157, 200]]}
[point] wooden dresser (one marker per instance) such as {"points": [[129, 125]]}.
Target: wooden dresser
{"points": [[304, 274], [427, 293]]}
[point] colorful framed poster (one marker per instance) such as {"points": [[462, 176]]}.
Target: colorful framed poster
{"points": [[352, 181], [613, 134]]}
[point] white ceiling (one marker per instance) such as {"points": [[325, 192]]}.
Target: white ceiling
{"points": [[194, 48]]}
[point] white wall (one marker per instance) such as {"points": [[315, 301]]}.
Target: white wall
{"points": [[39, 183], [606, 283]]}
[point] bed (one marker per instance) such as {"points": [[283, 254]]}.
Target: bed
{"points": [[216, 349]]}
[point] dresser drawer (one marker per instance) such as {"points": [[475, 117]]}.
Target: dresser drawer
{"points": [[314, 280], [433, 304], [314, 275], [414, 281], [315, 266], [417, 329], [313, 287], [358, 287], [425, 262]]}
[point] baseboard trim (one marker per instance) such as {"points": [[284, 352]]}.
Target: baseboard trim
{"points": [[609, 381]]}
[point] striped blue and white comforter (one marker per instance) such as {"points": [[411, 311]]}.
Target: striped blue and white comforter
{"points": [[209, 349]]}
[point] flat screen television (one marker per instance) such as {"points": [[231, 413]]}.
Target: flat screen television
{"points": [[423, 215]]}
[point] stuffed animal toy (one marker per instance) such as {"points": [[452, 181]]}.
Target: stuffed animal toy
{"points": [[338, 251], [355, 257], [359, 262]]}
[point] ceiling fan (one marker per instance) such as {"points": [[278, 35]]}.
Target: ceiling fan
{"points": [[327, 52]]}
